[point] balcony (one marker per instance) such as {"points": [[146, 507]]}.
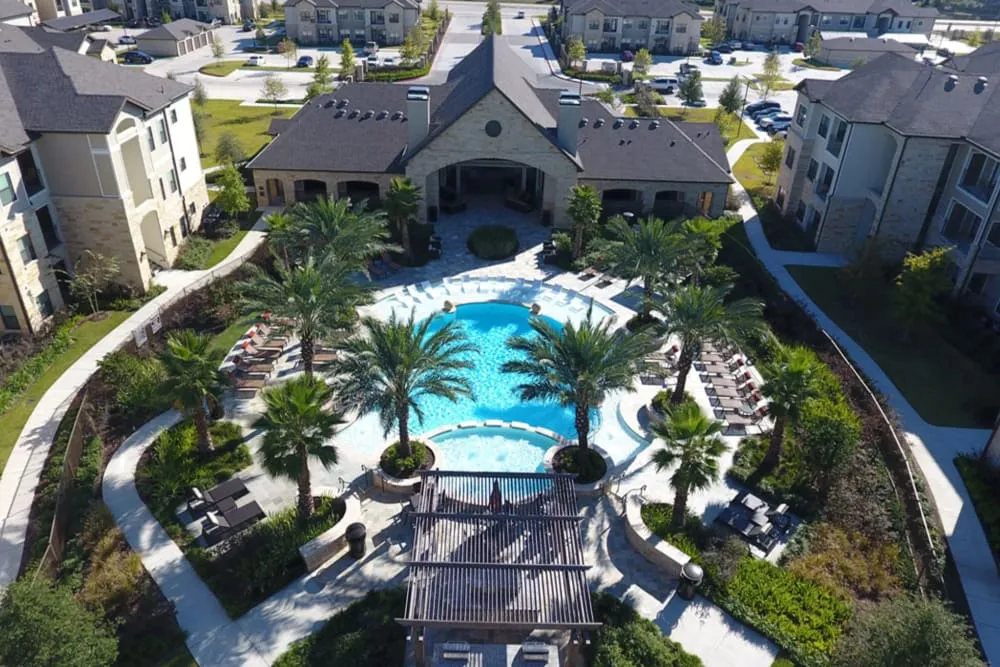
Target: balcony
{"points": [[30, 176], [980, 178]]}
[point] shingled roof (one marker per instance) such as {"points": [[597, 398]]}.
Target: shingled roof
{"points": [[655, 9], [175, 31], [46, 88], [898, 7], [984, 60], [11, 9]]}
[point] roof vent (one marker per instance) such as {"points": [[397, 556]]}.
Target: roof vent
{"points": [[982, 81], [396, 115], [634, 124], [329, 103], [342, 104], [583, 122], [382, 114], [355, 113], [339, 114], [370, 113], [655, 124], [672, 142], [599, 122], [952, 79], [618, 123]]}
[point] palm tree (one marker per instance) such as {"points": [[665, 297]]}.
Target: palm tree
{"points": [[319, 298], [401, 204], [393, 365], [297, 426], [578, 366], [648, 253], [791, 380], [282, 235], [335, 228], [691, 441], [700, 315], [585, 211], [192, 379]]}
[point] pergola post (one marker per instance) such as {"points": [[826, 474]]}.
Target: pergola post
{"points": [[419, 645]]}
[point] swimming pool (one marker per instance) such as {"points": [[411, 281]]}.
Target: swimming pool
{"points": [[488, 326], [493, 448]]}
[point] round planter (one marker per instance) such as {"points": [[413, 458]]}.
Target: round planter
{"points": [[583, 490], [403, 486]]}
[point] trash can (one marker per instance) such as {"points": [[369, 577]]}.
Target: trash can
{"points": [[356, 539], [691, 576]]}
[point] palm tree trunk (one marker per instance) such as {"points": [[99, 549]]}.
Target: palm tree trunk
{"points": [[647, 292], [201, 424], [577, 241], [680, 508], [403, 416], [306, 505], [683, 369], [404, 237], [582, 425], [773, 456], [308, 350]]}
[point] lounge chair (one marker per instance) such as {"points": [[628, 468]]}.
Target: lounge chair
{"points": [[230, 489], [234, 520], [723, 391]]}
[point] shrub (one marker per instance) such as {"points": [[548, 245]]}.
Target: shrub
{"points": [[37, 364], [803, 617], [398, 73], [627, 639], [193, 254], [111, 586], [135, 382], [661, 402], [403, 467], [600, 77], [828, 432], [691, 538], [789, 481], [365, 634], [586, 464], [493, 242], [265, 558]]}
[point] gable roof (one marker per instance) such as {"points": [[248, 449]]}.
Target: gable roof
{"points": [[80, 20], [867, 44], [12, 9], [898, 7], [984, 60], [915, 100], [657, 9], [356, 4], [47, 88], [175, 31]]}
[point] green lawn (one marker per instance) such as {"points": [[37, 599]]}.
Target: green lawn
{"points": [[222, 248], [224, 68], [781, 233], [84, 337], [748, 173], [223, 341], [267, 68], [946, 387], [695, 115], [813, 64], [249, 124]]}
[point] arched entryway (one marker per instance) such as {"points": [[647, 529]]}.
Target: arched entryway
{"points": [[153, 239], [488, 182], [358, 191], [669, 204], [309, 190], [621, 200]]}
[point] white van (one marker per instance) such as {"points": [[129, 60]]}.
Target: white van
{"points": [[371, 48], [665, 85]]}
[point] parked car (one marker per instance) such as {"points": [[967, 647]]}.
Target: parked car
{"points": [[697, 103], [767, 122], [627, 56], [778, 126], [100, 28], [665, 85], [783, 134], [371, 48], [798, 47], [723, 48], [715, 58], [749, 46], [519, 15], [685, 70], [754, 107], [126, 40], [735, 44], [372, 60], [248, 26], [254, 61], [304, 61], [388, 61], [765, 113], [137, 58]]}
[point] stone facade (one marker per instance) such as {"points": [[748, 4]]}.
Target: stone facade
{"points": [[307, 23], [843, 219], [23, 282], [333, 181], [692, 195], [676, 35]]}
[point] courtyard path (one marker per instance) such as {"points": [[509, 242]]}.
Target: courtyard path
{"points": [[932, 447]]}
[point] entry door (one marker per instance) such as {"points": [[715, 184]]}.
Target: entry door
{"points": [[705, 202]]}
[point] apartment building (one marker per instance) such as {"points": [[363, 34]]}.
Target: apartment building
{"points": [[790, 21], [385, 22], [905, 154], [92, 156], [610, 26]]}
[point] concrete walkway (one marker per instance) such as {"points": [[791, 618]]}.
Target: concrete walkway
{"points": [[932, 447], [24, 467]]}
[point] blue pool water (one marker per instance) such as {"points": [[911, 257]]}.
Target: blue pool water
{"points": [[493, 449], [488, 326]]}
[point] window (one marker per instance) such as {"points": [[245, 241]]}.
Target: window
{"points": [[173, 115], [800, 115], [779, 199], [359, 15], [44, 303], [662, 27], [393, 18], [184, 164], [825, 182], [826, 20], [961, 226], [756, 17], [163, 131], [173, 181], [790, 157], [626, 24], [813, 169], [977, 282], [859, 22], [163, 190], [610, 25], [149, 138], [26, 250], [643, 24], [682, 28], [836, 140], [594, 25], [30, 176], [7, 194], [173, 237], [815, 220], [980, 177], [323, 15], [800, 211], [824, 126], [343, 14], [48, 228], [994, 236], [844, 20], [9, 316]]}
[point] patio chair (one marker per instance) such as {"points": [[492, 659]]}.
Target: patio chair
{"points": [[230, 489], [251, 350], [234, 520], [713, 369], [251, 367], [723, 391]]}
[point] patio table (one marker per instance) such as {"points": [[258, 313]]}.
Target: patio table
{"points": [[753, 503]]}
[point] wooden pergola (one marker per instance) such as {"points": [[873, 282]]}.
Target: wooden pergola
{"points": [[497, 551]]}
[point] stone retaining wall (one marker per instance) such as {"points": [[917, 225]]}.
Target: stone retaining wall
{"points": [[658, 552], [325, 546]]}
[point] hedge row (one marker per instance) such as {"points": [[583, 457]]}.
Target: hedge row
{"points": [[398, 73], [36, 365]]}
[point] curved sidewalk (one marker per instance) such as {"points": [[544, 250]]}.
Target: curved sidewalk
{"points": [[932, 447], [24, 467]]}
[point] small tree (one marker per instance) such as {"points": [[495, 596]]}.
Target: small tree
{"points": [[690, 90], [346, 59], [274, 90], [791, 381], [322, 81], [492, 20], [924, 278], [585, 211], [92, 274], [276, 7], [607, 96], [433, 11], [412, 50], [232, 195], [828, 432], [192, 379], [198, 120], [289, 49], [165, 16], [770, 158], [401, 205], [714, 30], [645, 102], [199, 95], [218, 48], [229, 149], [813, 45], [576, 52], [769, 78], [641, 64], [42, 624], [260, 37], [858, 62], [730, 99]]}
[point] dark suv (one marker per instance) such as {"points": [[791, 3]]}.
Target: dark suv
{"points": [[137, 58]]}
